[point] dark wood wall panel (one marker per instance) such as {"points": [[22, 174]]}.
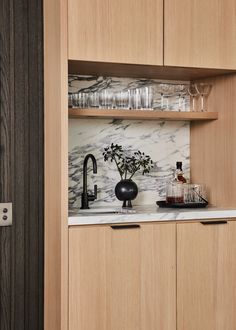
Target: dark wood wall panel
{"points": [[21, 164]]}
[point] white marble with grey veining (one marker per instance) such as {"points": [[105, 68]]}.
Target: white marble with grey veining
{"points": [[152, 214], [165, 141]]}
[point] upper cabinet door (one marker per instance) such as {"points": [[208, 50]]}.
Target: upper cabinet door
{"points": [[200, 33], [119, 31]]}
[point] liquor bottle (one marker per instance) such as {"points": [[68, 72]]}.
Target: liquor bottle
{"points": [[179, 177]]}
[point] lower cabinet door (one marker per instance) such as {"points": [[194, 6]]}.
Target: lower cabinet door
{"points": [[122, 278], [206, 276]]}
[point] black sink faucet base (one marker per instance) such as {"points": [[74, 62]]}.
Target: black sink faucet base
{"points": [[85, 197]]}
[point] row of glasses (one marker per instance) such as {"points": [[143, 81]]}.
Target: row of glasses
{"points": [[137, 98], [143, 97], [199, 89], [169, 90]]}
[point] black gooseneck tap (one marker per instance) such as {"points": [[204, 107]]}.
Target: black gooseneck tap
{"points": [[85, 198]]}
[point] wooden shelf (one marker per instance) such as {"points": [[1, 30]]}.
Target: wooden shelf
{"points": [[141, 71], [141, 114]]}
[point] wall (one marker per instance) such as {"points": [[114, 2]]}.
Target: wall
{"points": [[166, 143]]}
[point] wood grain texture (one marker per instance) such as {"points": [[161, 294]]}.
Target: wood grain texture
{"points": [[122, 279], [6, 149], [21, 173], [141, 114], [116, 31], [206, 287], [213, 145], [200, 33], [139, 71], [56, 164]]}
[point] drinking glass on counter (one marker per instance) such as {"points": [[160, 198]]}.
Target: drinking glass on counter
{"points": [[174, 193]]}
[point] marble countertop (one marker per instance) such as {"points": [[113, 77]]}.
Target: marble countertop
{"points": [[148, 214]]}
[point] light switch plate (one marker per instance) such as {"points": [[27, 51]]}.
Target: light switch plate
{"points": [[5, 214]]}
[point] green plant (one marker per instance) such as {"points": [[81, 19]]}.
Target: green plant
{"points": [[127, 165]]}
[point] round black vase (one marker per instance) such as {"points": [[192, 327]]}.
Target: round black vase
{"points": [[126, 190]]}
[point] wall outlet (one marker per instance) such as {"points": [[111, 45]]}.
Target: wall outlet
{"points": [[5, 214]]}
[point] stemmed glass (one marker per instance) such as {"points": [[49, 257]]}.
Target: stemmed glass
{"points": [[181, 91], [203, 89], [193, 93]]}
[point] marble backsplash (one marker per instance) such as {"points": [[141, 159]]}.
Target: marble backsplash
{"points": [[165, 141]]}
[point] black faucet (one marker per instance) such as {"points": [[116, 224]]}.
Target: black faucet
{"points": [[85, 198]]}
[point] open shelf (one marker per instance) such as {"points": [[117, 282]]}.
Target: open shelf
{"points": [[141, 114], [141, 71]]}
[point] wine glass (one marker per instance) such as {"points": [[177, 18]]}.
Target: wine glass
{"points": [[193, 93], [181, 91], [204, 90]]}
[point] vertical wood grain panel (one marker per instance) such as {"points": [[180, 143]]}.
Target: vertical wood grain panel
{"points": [[56, 164], [213, 145], [6, 148], [21, 159], [200, 33], [206, 276], [122, 279], [122, 31]]}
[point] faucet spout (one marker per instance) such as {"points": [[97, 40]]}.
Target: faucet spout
{"points": [[85, 198]]}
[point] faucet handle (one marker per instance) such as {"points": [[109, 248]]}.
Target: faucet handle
{"points": [[94, 195], [95, 191]]}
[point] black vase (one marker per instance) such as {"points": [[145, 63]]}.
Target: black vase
{"points": [[126, 190]]}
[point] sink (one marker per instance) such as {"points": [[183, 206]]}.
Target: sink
{"points": [[99, 211], [103, 211]]}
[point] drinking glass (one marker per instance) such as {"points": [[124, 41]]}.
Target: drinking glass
{"points": [[70, 100], [122, 100], [174, 193], [94, 99], [135, 98], [165, 90], [181, 91], [193, 93], [80, 100], [106, 99], [147, 98], [204, 90], [194, 193]]}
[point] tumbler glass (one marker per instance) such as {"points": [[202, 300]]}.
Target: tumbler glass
{"points": [[122, 100], [135, 98], [106, 99], [147, 98]]}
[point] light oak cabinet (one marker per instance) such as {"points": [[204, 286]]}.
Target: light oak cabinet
{"points": [[206, 276], [119, 31], [122, 279], [200, 33]]}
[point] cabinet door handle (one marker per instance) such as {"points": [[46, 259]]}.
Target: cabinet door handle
{"points": [[221, 222], [117, 227]]}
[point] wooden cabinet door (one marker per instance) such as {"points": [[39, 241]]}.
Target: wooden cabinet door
{"points": [[200, 33], [122, 279], [206, 276], [120, 31]]}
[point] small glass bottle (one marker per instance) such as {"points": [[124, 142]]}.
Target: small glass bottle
{"points": [[179, 173]]}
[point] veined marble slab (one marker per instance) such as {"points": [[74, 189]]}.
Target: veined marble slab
{"points": [[151, 214], [165, 141]]}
